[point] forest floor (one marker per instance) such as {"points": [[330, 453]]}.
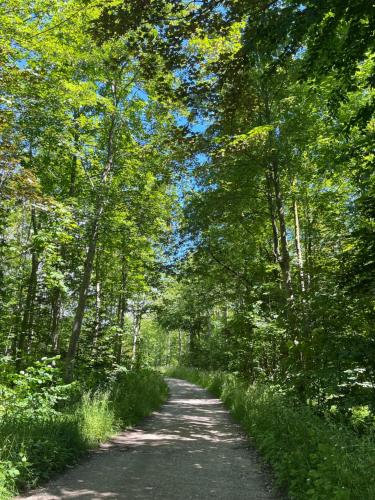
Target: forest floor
{"points": [[190, 449]]}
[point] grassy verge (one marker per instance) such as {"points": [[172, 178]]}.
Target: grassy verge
{"points": [[312, 458], [32, 448]]}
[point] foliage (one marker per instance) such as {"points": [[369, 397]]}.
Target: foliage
{"points": [[34, 445], [277, 283], [185, 182], [36, 391]]}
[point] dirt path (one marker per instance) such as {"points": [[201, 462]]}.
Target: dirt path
{"points": [[190, 449]]}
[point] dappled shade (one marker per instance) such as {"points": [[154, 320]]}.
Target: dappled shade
{"points": [[191, 448]]}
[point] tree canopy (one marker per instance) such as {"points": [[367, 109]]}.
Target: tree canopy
{"points": [[192, 182]]}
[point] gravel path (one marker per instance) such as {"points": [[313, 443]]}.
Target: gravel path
{"points": [[190, 449]]}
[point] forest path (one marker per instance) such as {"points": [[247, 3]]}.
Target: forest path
{"points": [[190, 449]]}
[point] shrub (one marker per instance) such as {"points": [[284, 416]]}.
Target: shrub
{"points": [[35, 444]]}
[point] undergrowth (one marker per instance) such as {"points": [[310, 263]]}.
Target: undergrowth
{"points": [[33, 444], [312, 457]]}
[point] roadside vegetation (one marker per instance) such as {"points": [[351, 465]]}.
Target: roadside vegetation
{"points": [[312, 456], [46, 425]]}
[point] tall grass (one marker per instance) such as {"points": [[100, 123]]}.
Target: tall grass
{"points": [[313, 458], [96, 418], [34, 447]]}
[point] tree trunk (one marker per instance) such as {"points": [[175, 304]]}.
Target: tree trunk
{"points": [[297, 237], [136, 329], [284, 259], [28, 310], [89, 261], [275, 232], [3, 224], [97, 326], [55, 310], [169, 348], [179, 345], [98, 302], [307, 245], [121, 314], [73, 168], [82, 298]]}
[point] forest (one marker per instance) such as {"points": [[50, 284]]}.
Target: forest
{"points": [[189, 184]]}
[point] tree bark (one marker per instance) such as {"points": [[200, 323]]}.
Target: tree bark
{"points": [[136, 329], [307, 245], [55, 310], [271, 207], [179, 345], [284, 259], [28, 311], [73, 168], [97, 325], [98, 302], [82, 298], [169, 348], [297, 239], [121, 314]]}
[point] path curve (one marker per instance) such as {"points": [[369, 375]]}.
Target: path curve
{"points": [[190, 449]]}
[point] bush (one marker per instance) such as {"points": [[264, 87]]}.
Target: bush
{"points": [[37, 391], [33, 446], [313, 458]]}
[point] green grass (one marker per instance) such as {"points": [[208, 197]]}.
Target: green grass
{"points": [[34, 447], [96, 418], [312, 457]]}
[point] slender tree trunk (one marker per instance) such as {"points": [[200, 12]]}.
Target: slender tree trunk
{"points": [[55, 310], [73, 168], [307, 245], [297, 235], [284, 260], [28, 310], [275, 232], [209, 325], [136, 329], [169, 348], [89, 261], [273, 179], [179, 345], [3, 224], [97, 326], [225, 316], [82, 298], [121, 315], [118, 338], [98, 302]]}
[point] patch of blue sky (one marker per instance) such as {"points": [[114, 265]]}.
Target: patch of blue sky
{"points": [[198, 126], [283, 4], [300, 53]]}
